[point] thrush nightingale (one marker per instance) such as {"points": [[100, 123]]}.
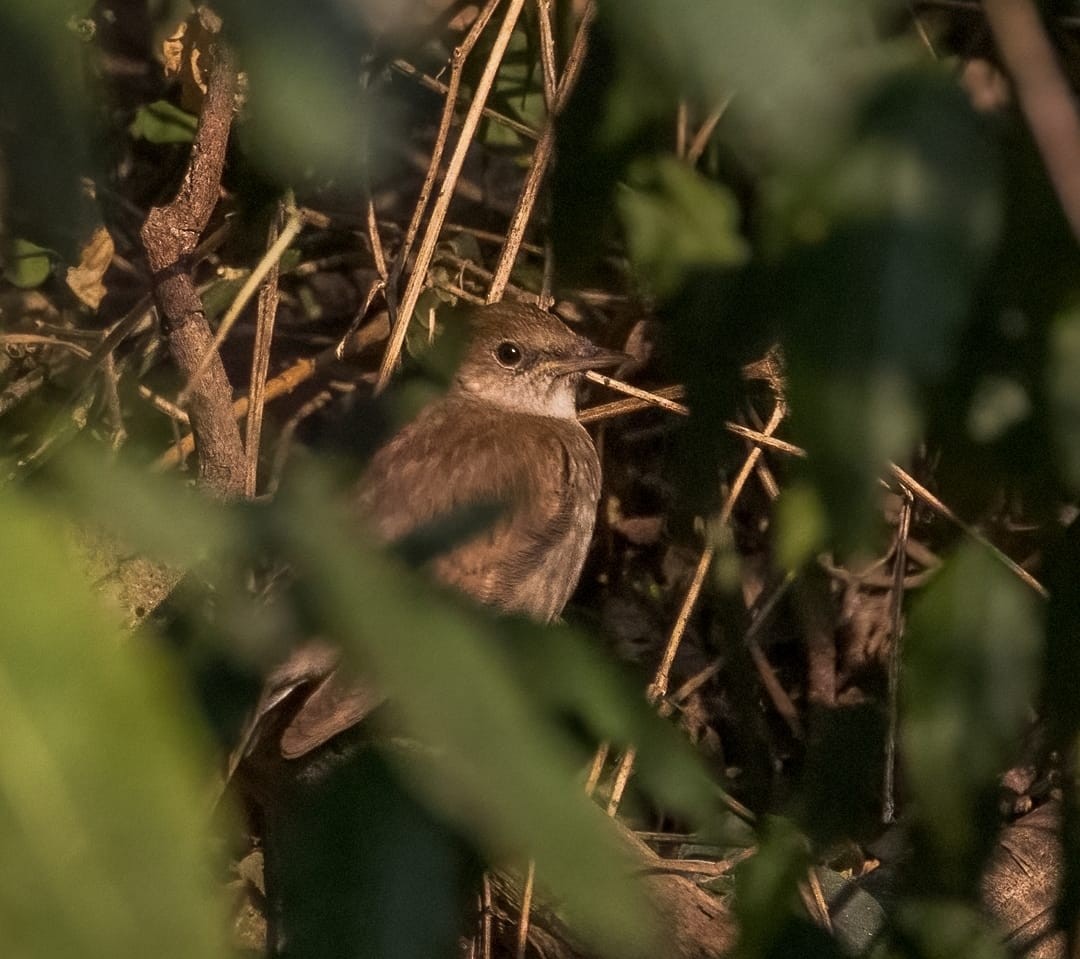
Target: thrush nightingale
{"points": [[505, 432]]}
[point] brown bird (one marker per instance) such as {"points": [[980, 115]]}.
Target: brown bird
{"points": [[506, 432]]}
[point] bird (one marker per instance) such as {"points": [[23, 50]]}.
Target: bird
{"points": [[505, 432]]}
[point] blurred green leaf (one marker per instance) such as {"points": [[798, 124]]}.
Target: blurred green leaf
{"points": [[799, 526], [44, 124], [677, 221], [971, 656], [162, 122], [948, 930], [517, 93], [308, 116], [570, 677], [161, 516], [999, 404], [219, 296], [103, 776], [794, 103], [634, 118], [871, 309], [797, 96], [453, 684], [766, 885], [365, 864], [1063, 387], [840, 794], [26, 264]]}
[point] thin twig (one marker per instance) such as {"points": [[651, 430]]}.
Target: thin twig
{"points": [[260, 362], [526, 909], [774, 688], [1044, 94], [814, 900], [269, 261], [653, 399], [376, 241], [764, 611], [896, 608], [661, 398], [596, 768], [358, 320], [112, 403], [288, 433], [437, 86], [515, 234], [490, 237], [487, 915], [604, 411], [285, 382], [418, 276], [920, 492], [705, 131], [547, 53], [658, 688], [162, 405], [622, 776]]}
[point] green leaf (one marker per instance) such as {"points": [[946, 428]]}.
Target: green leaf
{"points": [[219, 296], [1063, 387], [26, 264], [796, 98], [44, 122], [971, 655], [570, 677], [677, 221], [279, 131], [453, 683], [872, 302], [948, 930], [766, 885], [163, 122], [160, 516], [799, 526], [363, 862], [103, 776]]}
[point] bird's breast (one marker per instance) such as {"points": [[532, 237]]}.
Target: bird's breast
{"points": [[543, 471]]}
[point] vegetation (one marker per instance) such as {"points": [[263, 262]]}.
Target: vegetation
{"points": [[821, 670]]}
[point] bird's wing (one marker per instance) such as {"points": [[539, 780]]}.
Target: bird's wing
{"points": [[543, 471]]}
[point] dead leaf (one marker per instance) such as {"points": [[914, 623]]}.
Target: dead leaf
{"points": [[85, 279], [172, 52], [1022, 883], [184, 56]]}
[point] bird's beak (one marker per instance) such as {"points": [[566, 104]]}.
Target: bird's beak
{"points": [[590, 358]]}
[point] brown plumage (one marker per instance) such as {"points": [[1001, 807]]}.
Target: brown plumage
{"points": [[505, 433]]}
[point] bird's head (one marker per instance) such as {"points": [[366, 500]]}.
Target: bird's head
{"points": [[523, 359]]}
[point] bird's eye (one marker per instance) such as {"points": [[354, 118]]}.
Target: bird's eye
{"points": [[508, 354]]}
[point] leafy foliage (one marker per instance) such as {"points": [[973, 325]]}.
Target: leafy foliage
{"points": [[846, 202], [104, 777]]}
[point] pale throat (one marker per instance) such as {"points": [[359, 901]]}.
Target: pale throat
{"points": [[556, 398]]}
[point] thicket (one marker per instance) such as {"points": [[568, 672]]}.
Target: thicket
{"points": [[818, 690]]}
